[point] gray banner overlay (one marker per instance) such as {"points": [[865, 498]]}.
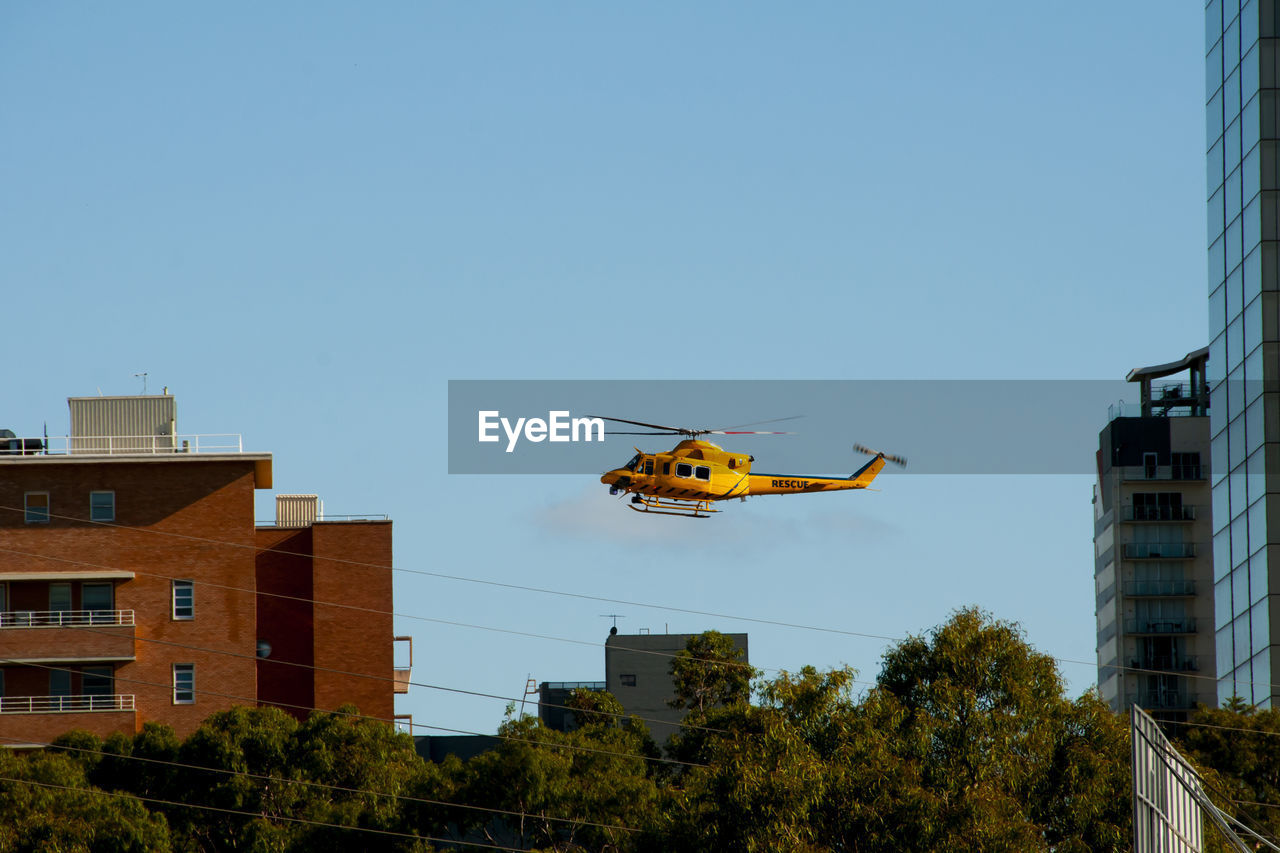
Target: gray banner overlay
{"points": [[941, 426]]}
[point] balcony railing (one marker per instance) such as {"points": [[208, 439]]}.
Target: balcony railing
{"points": [[65, 618], [1159, 513], [1144, 550], [65, 704], [1163, 472], [1160, 699], [1168, 663], [1170, 625], [1160, 588], [100, 445]]}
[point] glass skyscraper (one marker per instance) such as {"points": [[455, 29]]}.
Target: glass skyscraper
{"points": [[1242, 84]]}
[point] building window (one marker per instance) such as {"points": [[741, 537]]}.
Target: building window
{"points": [[184, 600], [37, 507], [102, 506], [59, 597], [59, 682], [98, 599], [96, 681], [184, 684], [1, 682], [4, 598], [628, 680]]}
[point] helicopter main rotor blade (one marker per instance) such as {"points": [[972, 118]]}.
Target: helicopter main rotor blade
{"points": [[742, 432], [724, 430], [669, 430]]}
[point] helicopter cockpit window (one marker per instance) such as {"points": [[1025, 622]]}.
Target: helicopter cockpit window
{"points": [[684, 469], [702, 472], [648, 467], [631, 466]]}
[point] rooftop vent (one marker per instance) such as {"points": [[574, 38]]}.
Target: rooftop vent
{"points": [[297, 510]]}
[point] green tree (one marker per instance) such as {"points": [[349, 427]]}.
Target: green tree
{"points": [[46, 803], [710, 670], [565, 791]]}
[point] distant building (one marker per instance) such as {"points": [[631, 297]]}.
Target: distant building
{"points": [[135, 585], [1153, 563], [552, 696], [638, 673]]}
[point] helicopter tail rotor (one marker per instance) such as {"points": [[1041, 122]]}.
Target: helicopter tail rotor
{"points": [[888, 457]]}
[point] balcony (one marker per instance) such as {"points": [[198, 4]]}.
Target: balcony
{"points": [[402, 674], [1163, 625], [65, 618], [65, 704], [1159, 550], [67, 635], [1159, 513], [1160, 699], [1165, 588], [1167, 663], [1147, 473]]}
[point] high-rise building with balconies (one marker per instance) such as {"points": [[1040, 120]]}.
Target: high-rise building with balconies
{"points": [[136, 586], [1153, 565]]}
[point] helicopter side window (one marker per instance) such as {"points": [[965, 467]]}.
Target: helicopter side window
{"points": [[631, 466], [648, 467], [684, 469], [702, 472]]}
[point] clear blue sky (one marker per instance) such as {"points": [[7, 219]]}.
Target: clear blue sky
{"points": [[304, 218]]}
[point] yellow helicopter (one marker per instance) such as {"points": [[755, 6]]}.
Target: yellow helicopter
{"points": [[693, 475]]}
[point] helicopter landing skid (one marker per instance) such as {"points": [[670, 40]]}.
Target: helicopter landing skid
{"points": [[672, 506]]}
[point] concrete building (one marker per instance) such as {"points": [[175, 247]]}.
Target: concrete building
{"points": [[1153, 567], [135, 584], [637, 671], [1242, 74]]}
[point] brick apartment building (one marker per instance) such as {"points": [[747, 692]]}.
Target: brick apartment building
{"points": [[136, 586]]}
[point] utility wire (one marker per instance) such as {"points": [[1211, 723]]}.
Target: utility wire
{"points": [[332, 671], [284, 705], [321, 785], [259, 815]]}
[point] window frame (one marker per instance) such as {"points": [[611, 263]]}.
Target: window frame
{"points": [[688, 470], [190, 606], [623, 679], [111, 510], [36, 515], [105, 673], [59, 674], [703, 473], [184, 683], [71, 600], [111, 596]]}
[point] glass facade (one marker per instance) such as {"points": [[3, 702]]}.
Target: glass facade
{"points": [[1243, 192]]}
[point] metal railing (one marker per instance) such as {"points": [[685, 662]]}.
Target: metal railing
{"points": [[575, 685], [1160, 588], [1160, 699], [65, 618], [326, 516], [1159, 513], [1169, 625], [107, 445], [65, 704], [1143, 550], [1168, 663], [1163, 472]]}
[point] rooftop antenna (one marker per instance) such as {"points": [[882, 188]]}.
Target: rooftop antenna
{"points": [[615, 617], [144, 382]]}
